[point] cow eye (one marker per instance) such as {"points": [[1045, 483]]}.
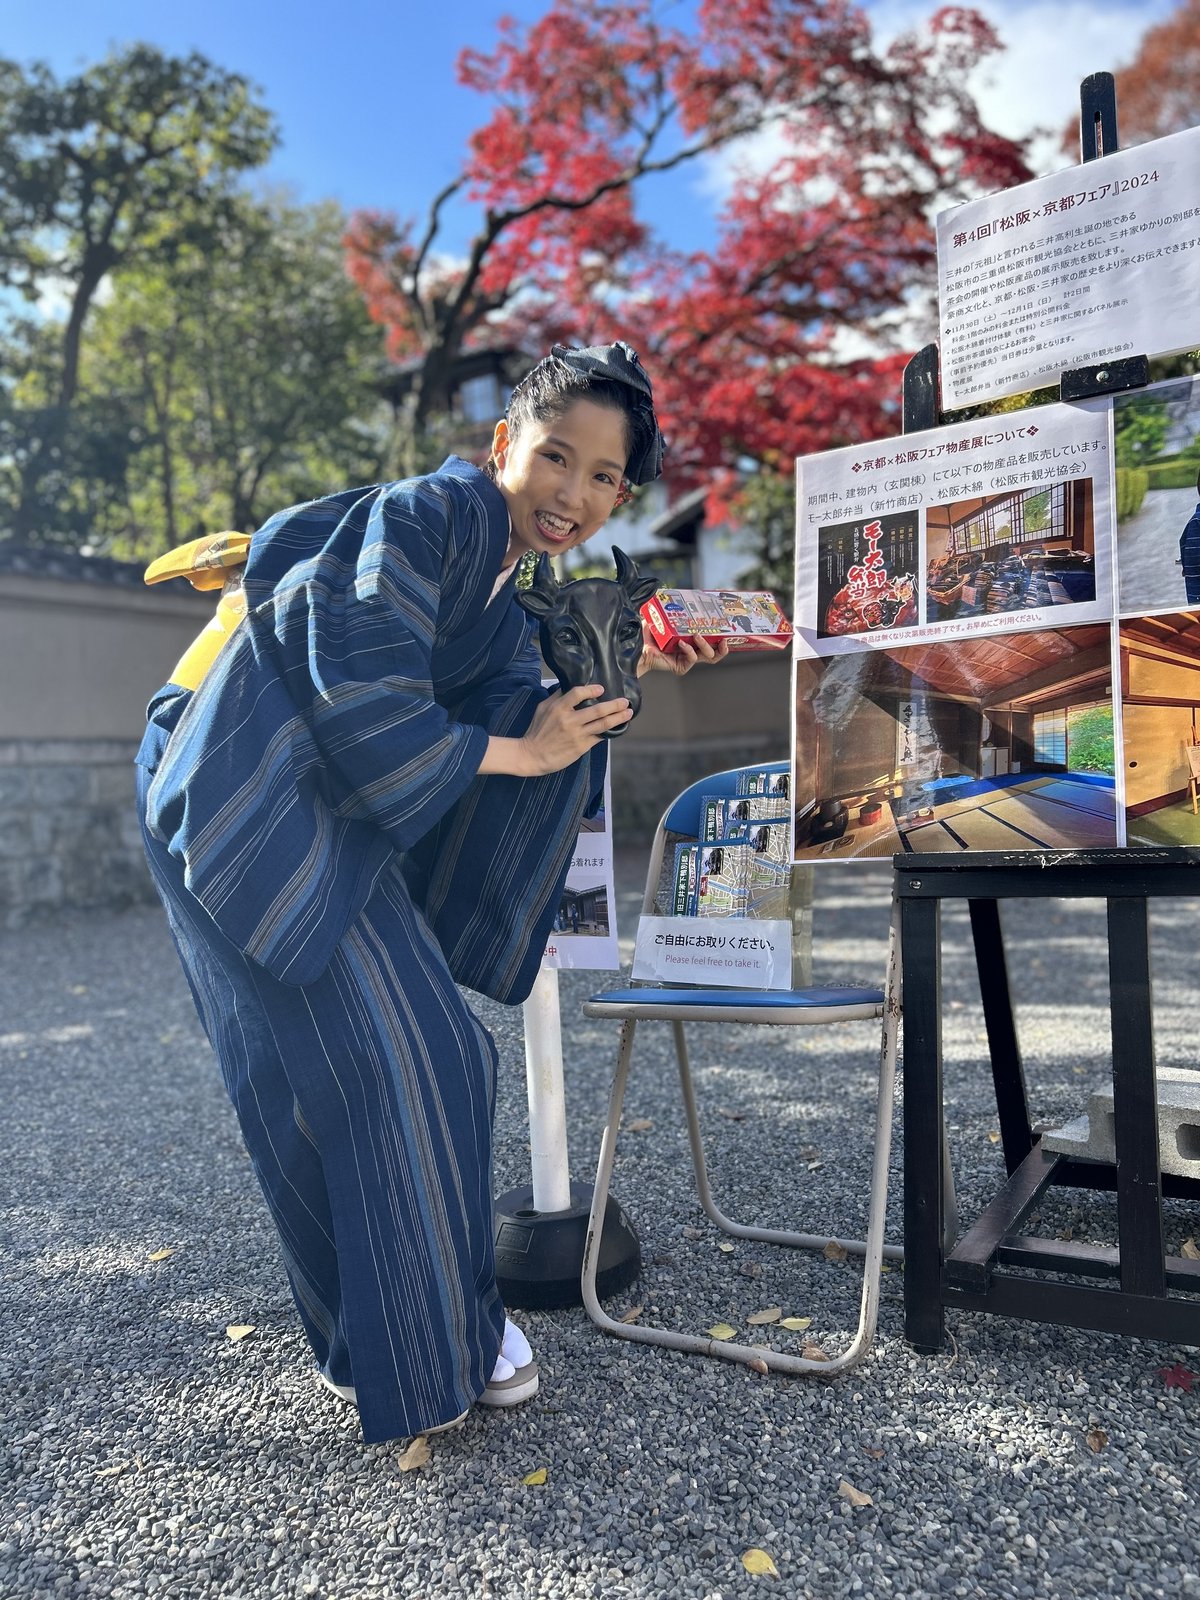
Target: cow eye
{"points": [[567, 636]]}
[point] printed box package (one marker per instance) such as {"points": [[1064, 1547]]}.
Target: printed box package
{"points": [[745, 620]]}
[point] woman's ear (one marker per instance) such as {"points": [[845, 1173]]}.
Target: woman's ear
{"points": [[500, 444]]}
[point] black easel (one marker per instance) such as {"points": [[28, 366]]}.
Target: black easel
{"points": [[977, 1272]]}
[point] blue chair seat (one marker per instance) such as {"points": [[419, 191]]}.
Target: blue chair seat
{"points": [[739, 1005]]}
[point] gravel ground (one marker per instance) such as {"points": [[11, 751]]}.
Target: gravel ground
{"points": [[145, 1452]]}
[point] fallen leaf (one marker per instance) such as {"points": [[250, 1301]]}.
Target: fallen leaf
{"points": [[856, 1497], [731, 1116], [639, 1125], [834, 1251], [633, 1314], [534, 1480], [809, 1153], [796, 1324], [761, 1318], [79, 988], [417, 1454], [750, 1269], [725, 1248], [693, 1233], [993, 1136], [758, 1561], [161, 1255], [757, 1364], [873, 1450], [239, 1330], [811, 1351], [1177, 1377], [721, 1330], [814, 1166], [1096, 1440], [884, 1267], [114, 1471], [1189, 1251]]}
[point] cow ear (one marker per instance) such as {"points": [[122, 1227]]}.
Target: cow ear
{"points": [[638, 588], [541, 598]]}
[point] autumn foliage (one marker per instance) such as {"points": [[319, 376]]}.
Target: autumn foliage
{"points": [[1159, 91], [783, 338]]}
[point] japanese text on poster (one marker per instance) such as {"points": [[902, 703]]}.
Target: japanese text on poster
{"points": [[585, 925], [1092, 264]]}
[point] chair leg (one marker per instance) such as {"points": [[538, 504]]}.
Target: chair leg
{"points": [[758, 1356], [741, 1230]]}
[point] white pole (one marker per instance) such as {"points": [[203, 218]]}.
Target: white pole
{"points": [[547, 1102]]}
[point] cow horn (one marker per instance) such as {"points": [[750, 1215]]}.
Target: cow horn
{"points": [[637, 587]]}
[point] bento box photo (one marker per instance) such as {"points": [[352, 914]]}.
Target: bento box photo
{"points": [[746, 620]]}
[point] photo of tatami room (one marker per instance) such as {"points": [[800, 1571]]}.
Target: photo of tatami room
{"points": [[997, 743], [1160, 716], [1018, 551]]}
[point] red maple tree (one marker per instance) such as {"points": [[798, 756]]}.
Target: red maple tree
{"points": [[779, 340], [1159, 91]]}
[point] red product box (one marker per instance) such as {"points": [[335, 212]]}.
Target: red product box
{"points": [[746, 620]]}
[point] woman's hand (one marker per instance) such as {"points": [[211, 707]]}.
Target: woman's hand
{"points": [[566, 726], [687, 655]]}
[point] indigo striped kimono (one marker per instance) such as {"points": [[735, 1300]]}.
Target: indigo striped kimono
{"points": [[332, 867]]}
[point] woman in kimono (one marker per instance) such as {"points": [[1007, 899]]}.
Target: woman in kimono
{"points": [[355, 795]]}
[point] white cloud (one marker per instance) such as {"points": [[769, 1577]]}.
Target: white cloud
{"points": [[1023, 88]]}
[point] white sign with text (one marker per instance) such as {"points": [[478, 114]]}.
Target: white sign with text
{"points": [[585, 926], [1093, 264], [727, 952]]}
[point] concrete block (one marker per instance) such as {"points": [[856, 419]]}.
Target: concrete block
{"points": [[1092, 1138]]}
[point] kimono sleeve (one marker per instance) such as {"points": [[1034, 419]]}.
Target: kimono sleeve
{"points": [[315, 751]]}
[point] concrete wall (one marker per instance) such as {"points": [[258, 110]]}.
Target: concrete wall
{"points": [[713, 718], [79, 660]]}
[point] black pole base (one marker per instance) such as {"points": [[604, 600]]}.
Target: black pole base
{"points": [[539, 1254]]}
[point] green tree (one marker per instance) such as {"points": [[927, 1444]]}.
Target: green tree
{"points": [[120, 165], [1090, 745], [1139, 431], [249, 370]]}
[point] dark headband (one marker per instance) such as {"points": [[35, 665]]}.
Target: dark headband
{"points": [[618, 363]]}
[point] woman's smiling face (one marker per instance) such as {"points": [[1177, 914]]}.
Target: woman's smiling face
{"points": [[560, 477]]}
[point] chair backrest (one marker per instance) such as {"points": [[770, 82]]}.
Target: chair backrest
{"points": [[683, 817], [683, 814]]}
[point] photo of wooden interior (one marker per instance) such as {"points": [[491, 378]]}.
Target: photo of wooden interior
{"points": [[1002, 742], [1021, 550], [1160, 715]]}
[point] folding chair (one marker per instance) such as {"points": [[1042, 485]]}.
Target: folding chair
{"points": [[811, 1007]]}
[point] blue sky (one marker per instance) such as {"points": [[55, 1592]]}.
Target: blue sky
{"points": [[370, 113]]}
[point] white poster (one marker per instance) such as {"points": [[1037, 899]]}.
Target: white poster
{"points": [[958, 531], [957, 678], [585, 925], [1096, 263]]}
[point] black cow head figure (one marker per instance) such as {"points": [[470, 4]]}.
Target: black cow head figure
{"points": [[591, 630]]}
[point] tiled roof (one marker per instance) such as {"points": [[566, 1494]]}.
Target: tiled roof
{"points": [[50, 561]]}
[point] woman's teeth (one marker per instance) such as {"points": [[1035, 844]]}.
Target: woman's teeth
{"points": [[554, 527]]}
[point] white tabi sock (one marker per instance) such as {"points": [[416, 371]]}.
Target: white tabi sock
{"points": [[515, 1347]]}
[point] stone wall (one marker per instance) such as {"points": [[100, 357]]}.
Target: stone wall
{"points": [[83, 644], [68, 834]]}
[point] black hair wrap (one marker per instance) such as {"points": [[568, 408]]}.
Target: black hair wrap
{"points": [[618, 363]]}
